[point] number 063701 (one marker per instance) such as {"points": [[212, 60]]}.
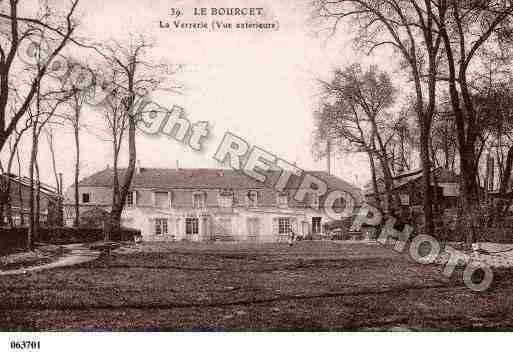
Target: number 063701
{"points": [[25, 344]]}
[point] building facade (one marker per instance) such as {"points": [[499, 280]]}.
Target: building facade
{"points": [[15, 191], [208, 204], [408, 186]]}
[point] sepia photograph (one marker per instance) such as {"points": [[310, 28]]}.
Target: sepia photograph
{"points": [[213, 168]]}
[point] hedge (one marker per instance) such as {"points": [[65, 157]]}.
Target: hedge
{"points": [[12, 239], [16, 238]]}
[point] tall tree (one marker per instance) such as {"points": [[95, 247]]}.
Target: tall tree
{"points": [[466, 27], [357, 116], [409, 27], [75, 104], [28, 34], [135, 77]]}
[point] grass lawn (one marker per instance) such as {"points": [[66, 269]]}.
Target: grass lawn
{"points": [[205, 286]]}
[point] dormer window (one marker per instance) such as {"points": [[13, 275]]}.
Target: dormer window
{"points": [[226, 199], [199, 200], [252, 199], [283, 200]]}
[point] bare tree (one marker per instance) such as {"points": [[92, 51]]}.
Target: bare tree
{"points": [[117, 118], [75, 104], [409, 27], [134, 77], [20, 31], [50, 138], [44, 111], [465, 28], [356, 116]]}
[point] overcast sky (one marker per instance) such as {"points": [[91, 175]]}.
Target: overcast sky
{"points": [[257, 84]]}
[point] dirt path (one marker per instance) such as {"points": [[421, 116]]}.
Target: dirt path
{"points": [[78, 253]]}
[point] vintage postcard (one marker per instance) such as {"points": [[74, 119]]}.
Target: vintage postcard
{"points": [[255, 166]]}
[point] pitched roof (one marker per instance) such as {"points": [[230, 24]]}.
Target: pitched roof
{"points": [[443, 175], [25, 181], [205, 178]]}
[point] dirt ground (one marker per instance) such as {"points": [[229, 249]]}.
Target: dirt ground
{"points": [[312, 286]]}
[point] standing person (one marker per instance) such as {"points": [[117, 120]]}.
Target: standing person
{"points": [[291, 237]]}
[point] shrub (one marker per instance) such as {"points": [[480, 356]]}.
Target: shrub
{"points": [[12, 239]]}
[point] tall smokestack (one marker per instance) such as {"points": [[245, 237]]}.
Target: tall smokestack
{"points": [[60, 184]]}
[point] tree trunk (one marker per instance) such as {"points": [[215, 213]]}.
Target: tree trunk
{"points": [[426, 181], [504, 185], [375, 188], [469, 193], [20, 192], [37, 220], [76, 221], [31, 230]]}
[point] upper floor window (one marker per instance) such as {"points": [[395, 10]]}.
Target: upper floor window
{"points": [[130, 199], [252, 198], [198, 200], [283, 200], [86, 198], [225, 198], [162, 199]]}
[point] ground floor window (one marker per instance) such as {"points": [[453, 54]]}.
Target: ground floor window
{"points": [[284, 225], [191, 225], [316, 225], [226, 225], [160, 226], [253, 227]]}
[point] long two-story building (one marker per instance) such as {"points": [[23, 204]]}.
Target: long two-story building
{"points": [[203, 204]]}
